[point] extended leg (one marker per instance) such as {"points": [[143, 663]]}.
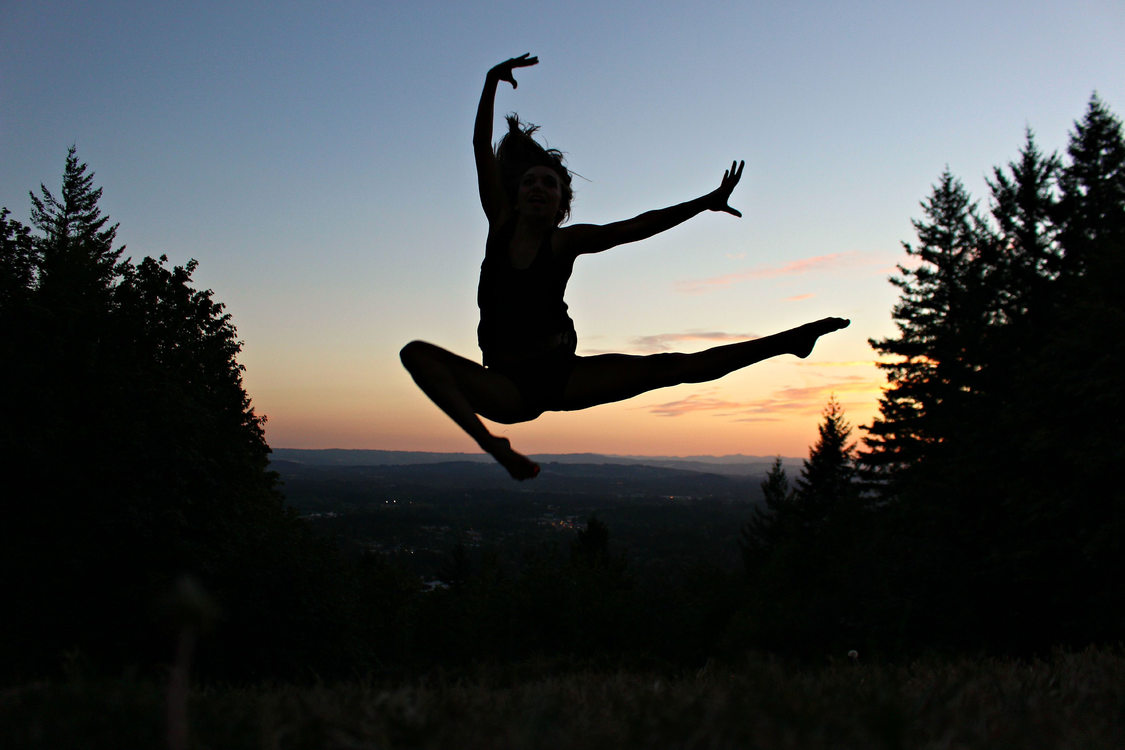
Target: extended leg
{"points": [[614, 377], [463, 389]]}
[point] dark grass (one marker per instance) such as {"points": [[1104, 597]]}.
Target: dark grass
{"points": [[1068, 700]]}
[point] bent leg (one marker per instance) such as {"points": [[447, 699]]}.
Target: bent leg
{"points": [[614, 377], [463, 389]]}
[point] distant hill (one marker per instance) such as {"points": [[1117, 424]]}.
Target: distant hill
{"points": [[730, 466], [474, 479]]}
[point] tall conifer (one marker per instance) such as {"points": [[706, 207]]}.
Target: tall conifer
{"points": [[942, 316], [78, 258]]}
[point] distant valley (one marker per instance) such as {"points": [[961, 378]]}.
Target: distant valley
{"points": [[662, 511]]}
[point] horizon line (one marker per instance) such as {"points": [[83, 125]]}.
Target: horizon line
{"points": [[485, 456]]}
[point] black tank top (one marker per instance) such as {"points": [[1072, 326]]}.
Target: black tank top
{"points": [[522, 313]]}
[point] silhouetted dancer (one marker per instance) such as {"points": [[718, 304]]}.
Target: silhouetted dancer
{"points": [[525, 334]]}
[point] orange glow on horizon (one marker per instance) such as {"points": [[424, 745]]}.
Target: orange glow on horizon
{"points": [[682, 421]]}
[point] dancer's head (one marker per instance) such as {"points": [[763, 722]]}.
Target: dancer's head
{"points": [[522, 161]]}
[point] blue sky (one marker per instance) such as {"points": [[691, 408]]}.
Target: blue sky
{"points": [[315, 158]]}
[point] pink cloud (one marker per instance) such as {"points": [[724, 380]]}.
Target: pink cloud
{"points": [[693, 404], [805, 265], [664, 342], [787, 402], [790, 401], [668, 342], [840, 363]]}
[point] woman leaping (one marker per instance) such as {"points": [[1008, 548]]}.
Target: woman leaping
{"points": [[525, 334]]}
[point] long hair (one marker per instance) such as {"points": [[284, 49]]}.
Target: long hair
{"points": [[518, 152]]}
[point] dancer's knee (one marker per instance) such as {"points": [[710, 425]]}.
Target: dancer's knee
{"points": [[414, 354]]}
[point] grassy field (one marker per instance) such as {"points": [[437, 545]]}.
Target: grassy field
{"points": [[1070, 700]]}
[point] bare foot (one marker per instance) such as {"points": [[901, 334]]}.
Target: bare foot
{"points": [[804, 337], [518, 465]]}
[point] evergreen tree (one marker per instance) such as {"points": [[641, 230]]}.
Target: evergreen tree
{"points": [[943, 316], [775, 487], [1071, 448], [827, 485], [802, 550], [771, 522], [17, 265], [77, 257], [18, 268], [1092, 215], [933, 452], [826, 494], [1024, 206]]}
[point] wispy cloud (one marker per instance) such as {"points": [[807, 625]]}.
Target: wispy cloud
{"points": [[695, 403], [805, 265], [779, 405], [841, 363], [664, 342], [806, 400], [681, 341], [799, 297]]}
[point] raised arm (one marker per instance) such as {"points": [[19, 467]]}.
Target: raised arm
{"points": [[491, 187], [593, 238]]}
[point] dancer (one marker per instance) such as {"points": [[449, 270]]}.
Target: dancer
{"points": [[525, 334]]}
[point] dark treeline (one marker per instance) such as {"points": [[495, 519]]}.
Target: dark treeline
{"points": [[132, 457], [979, 511], [997, 443], [984, 509]]}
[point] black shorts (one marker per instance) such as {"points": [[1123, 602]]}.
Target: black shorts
{"points": [[541, 379]]}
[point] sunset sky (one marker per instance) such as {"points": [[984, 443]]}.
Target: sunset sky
{"points": [[316, 159]]}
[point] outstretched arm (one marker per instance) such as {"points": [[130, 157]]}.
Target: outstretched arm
{"points": [[489, 183], [592, 238]]}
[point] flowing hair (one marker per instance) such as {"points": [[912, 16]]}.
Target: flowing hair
{"points": [[518, 152]]}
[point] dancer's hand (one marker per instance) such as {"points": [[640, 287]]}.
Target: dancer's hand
{"points": [[503, 71], [717, 200]]}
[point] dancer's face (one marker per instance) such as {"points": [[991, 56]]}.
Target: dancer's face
{"points": [[540, 194]]}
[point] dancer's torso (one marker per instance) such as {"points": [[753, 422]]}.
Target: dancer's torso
{"points": [[522, 312]]}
